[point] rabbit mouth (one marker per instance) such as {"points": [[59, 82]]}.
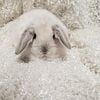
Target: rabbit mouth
{"points": [[44, 57], [48, 57]]}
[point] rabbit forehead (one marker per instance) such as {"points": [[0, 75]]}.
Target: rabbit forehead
{"points": [[44, 32]]}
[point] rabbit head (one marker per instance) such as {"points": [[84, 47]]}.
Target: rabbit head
{"points": [[43, 42]]}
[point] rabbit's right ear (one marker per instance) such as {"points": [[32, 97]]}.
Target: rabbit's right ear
{"points": [[25, 40], [61, 35]]}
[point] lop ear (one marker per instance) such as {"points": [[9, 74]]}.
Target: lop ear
{"points": [[61, 35], [26, 40]]}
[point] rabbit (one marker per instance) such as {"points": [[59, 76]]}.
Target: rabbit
{"points": [[46, 37]]}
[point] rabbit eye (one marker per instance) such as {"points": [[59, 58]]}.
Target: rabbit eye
{"points": [[34, 37], [54, 36]]}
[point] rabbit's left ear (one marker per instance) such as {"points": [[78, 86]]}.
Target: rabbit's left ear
{"points": [[62, 36], [26, 40]]}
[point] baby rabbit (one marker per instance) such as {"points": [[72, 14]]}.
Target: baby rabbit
{"points": [[46, 36]]}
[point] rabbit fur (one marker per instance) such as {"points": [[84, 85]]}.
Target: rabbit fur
{"points": [[44, 37]]}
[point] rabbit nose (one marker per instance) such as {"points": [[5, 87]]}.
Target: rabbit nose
{"points": [[44, 49]]}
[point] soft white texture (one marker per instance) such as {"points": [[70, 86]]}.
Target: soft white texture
{"points": [[52, 80]]}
